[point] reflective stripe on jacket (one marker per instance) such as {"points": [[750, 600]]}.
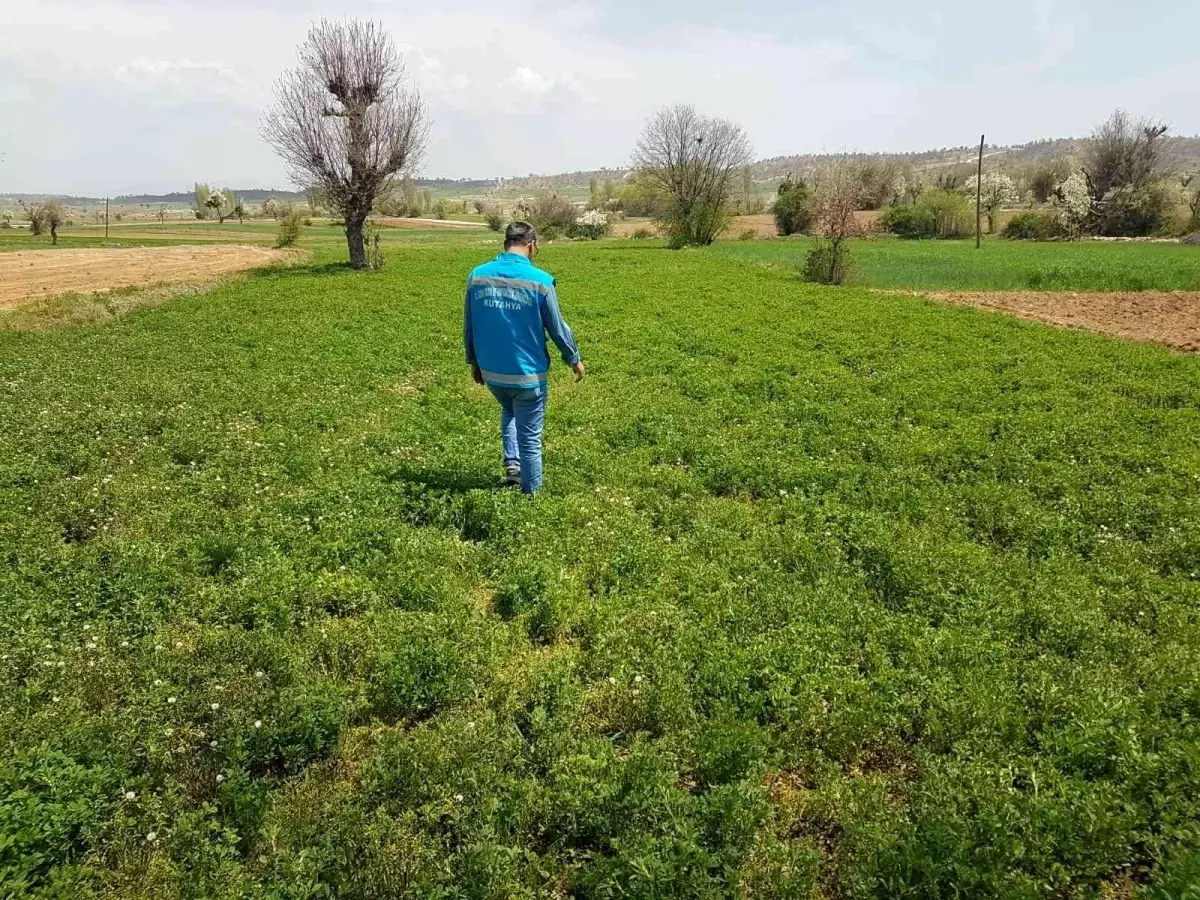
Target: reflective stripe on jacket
{"points": [[511, 305]]}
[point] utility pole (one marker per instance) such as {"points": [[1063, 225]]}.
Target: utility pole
{"points": [[979, 197], [106, 219]]}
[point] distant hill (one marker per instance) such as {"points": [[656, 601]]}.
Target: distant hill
{"points": [[1183, 154]]}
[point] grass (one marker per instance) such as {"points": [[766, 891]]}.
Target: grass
{"points": [[830, 594], [999, 265], [150, 234]]}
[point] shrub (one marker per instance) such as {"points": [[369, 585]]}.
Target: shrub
{"points": [[289, 229], [642, 234], [939, 213], [793, 207], [592, 225], [907, 221], [952, 213], [494, 218], [1031, 226], [1193, 224], [748, 235], [374, 248], [549, 213], [37, 214], [1132, 211], [636, 200], [827, 263]]}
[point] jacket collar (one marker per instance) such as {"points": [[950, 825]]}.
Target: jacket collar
{"points": [[509, 256]]}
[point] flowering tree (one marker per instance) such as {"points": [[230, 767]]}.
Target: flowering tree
{"points": [[1076, 201], [592, 225], [998, 191]]}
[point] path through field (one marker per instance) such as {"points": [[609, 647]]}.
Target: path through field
{"points": [[32, 274]]}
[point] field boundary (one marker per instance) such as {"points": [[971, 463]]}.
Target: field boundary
{"points": [[28, 275], [1167, 318]]}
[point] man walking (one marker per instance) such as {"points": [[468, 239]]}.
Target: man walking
{"points": [[510, 306]]}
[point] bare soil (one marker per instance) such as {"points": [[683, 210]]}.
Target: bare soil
{"points": [[27, 275], [763, 225], [1169, 318]]}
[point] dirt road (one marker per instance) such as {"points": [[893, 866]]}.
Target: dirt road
{"points": [[31, 274]]}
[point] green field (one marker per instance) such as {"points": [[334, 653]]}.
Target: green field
{"points": [[830, 593], [1000, 264]]}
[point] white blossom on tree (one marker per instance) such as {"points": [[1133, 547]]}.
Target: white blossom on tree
{"points": [[1076, 201], [998, 192], [593, 224]]}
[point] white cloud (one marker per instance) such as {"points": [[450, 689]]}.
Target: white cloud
{"points": [[568, 87], [180, 81]]}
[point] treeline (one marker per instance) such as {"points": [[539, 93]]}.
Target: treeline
{"points": [[1125, 180]]}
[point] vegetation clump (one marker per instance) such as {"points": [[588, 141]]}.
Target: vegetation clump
{"points": [[793, 207], [1034, 226], [289, 229]]}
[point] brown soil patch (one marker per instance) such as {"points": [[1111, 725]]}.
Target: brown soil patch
{"points": [[1171, 318], [763, 225], [406, 223], [135, 233], [27, 275]]}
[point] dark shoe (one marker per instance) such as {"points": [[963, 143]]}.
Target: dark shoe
{"points": [[512, 475]]}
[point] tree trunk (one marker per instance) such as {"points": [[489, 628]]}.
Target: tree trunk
{"points": [[354, 239], [54, 234]]}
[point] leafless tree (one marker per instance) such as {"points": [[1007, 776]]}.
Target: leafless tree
{"points": [[690, 164], [55, 214], [1124, 152], [344, 121], [842, 189]]}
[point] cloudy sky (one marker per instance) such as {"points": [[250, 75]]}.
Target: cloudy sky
{"points": [[134, 96]]}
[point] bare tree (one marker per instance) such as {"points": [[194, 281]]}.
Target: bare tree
{"points": [[1124, 153], [55, 214], [344, 122], [690, 162], [842, 189]]}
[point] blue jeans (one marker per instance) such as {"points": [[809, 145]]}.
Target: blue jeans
{"points": [[522, 412]]}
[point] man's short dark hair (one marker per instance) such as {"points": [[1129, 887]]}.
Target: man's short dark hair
{"points": [[519, 233]]}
